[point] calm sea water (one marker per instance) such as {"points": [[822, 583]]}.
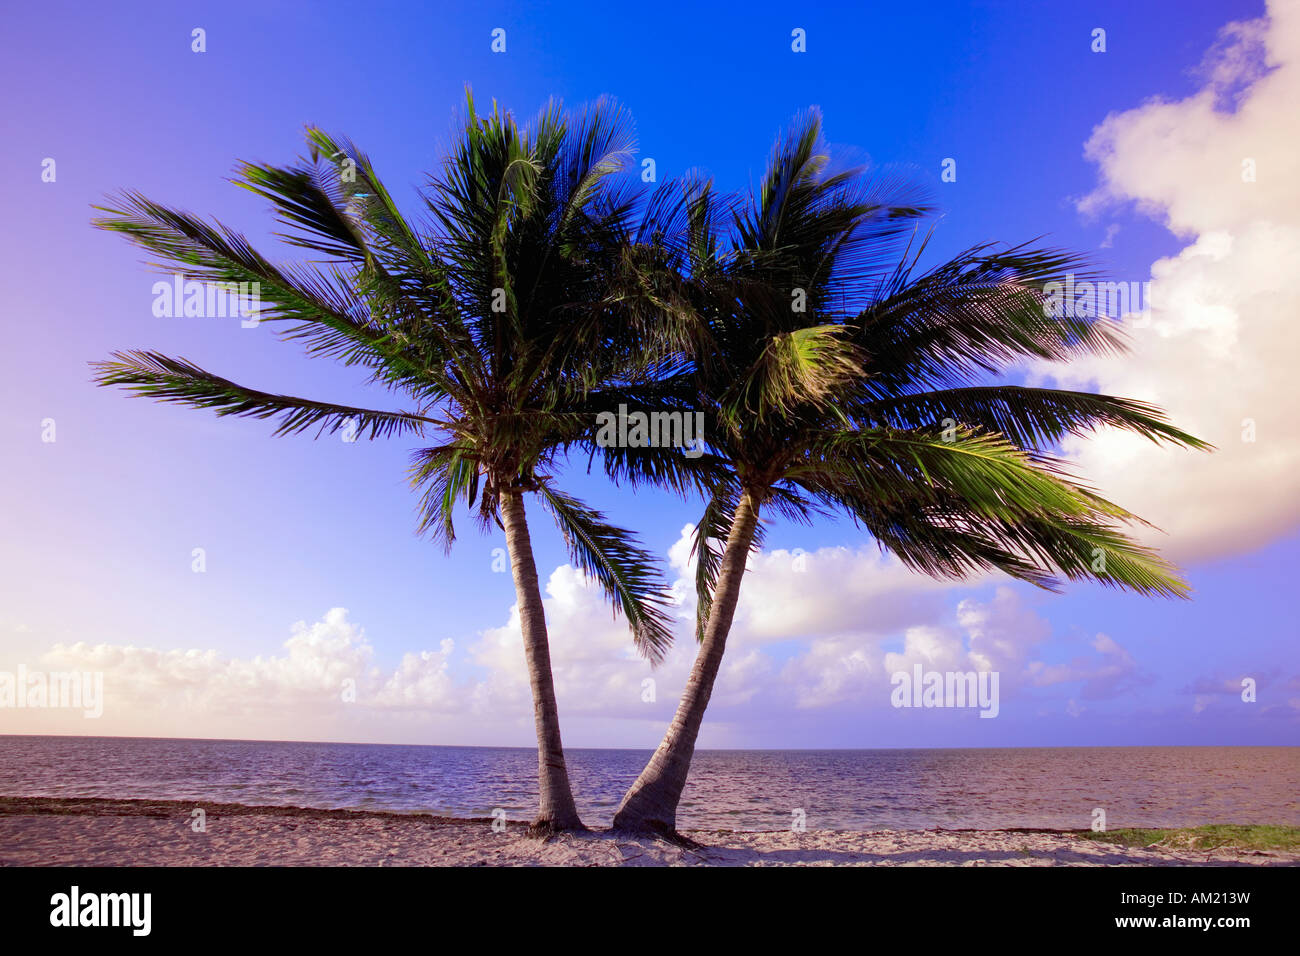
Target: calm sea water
{"points": [[729, 789]]}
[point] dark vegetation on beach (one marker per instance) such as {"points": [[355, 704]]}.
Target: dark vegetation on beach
{"points": [[1212, 836]]}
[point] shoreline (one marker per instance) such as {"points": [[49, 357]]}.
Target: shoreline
{"points": [[96, 831]]}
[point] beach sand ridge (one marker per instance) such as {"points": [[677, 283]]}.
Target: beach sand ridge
{"points": [[37, 831]]}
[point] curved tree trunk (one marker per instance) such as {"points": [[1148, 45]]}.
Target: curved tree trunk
{"points": [[556, 810], [650, 806]]}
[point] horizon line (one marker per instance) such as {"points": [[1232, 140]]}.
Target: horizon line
{"points": [[351, 743]]}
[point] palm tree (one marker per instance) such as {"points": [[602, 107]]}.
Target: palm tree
{"points": [[839, 378], [499, 318]]}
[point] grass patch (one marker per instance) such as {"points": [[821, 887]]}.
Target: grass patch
{"points": [[1210, 837]]}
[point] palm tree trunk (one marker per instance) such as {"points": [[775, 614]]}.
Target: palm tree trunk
{"points": [[650, 806], [556, 810]]}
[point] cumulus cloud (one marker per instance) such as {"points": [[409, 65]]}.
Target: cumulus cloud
{"points": [[323, 664], [1219, 345], [999, 635], [819, 664], [1110, 672], [595, 665], [815, 632], [843, 608], [798, 594]]}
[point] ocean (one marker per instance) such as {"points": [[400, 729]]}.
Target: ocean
{"points": [[1056, 788]]}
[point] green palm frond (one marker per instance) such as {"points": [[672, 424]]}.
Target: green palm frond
{"points": [[798, 368], [165, 379], [371, 203], [329, 317], [874, 401], [1084, 548], [1029, 417], [312, 199], [502, 315], [940, 539], [941, 535], [991, 476], [446, 473], [978, 313], [627, 573]]}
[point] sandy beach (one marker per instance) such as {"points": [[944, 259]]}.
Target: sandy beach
{"points": [[39, 831]]}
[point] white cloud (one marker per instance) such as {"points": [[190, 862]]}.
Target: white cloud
{"points": [[788, 656], [1110, 673], [1221, 343], [595, 666], [311, 673], [791, 594], [1003, 633]]}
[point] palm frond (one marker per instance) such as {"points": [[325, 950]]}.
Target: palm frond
{"points": [[627, 573], [446, 473], [988, 474], [976, 314], [1031, 418], [328, 315], [802, 367], [154, 375]]}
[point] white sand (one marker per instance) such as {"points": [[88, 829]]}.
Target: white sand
{"points": [[38, 831]]}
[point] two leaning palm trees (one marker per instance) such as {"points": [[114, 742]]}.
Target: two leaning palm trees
{"points": [[540, 289]]}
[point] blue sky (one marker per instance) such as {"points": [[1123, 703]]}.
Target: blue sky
{"points": [[100, 524]]}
